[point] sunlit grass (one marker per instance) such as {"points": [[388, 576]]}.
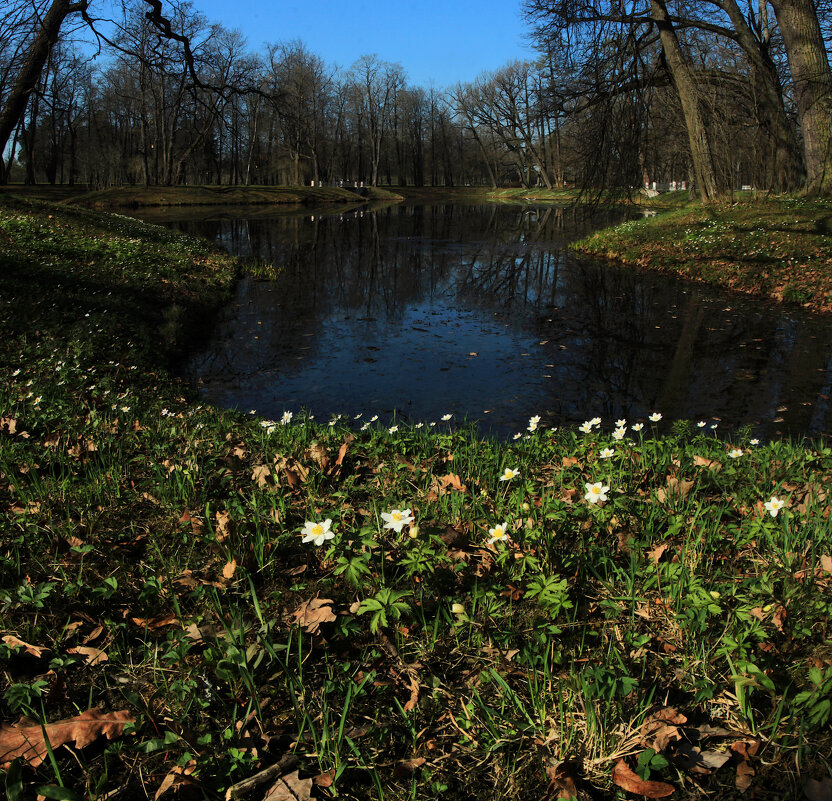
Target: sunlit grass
{"points": [[779, 247]]}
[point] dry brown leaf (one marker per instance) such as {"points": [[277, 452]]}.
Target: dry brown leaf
{"points": [[669, 714], [342, 451], [324, 779], [406, 767], [743, 751], [33, 650], [569, 461], [818, 790], [26, 739], [290, 788], [692, 758], [440, 485], [661, 728], [318, 454], [630, 781], [779, 617], [9, 424], [228, 570], [310, 614], [561, 779], [178, 776], [711, 464], [156, 622], [93, 635], [223, 519], [826, 563], [654, 554], [93, 656], [260, 474], [676, 488]]}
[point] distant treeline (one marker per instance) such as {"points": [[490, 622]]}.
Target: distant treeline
{"points": [[718, 93]]}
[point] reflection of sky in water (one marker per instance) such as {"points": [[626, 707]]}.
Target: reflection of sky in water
{"points": [[381, 311]]}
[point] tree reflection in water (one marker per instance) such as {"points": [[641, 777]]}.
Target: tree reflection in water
{"points": [[480, 310]]}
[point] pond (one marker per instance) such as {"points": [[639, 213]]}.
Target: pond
{"points": [[412, 312]]}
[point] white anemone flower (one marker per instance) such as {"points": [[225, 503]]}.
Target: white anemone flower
{"points": [[735, 453], [607, 453], [701, 424], [393, 429], [446, 417], [618, 434], [622, 423], [509, 474], [317, 532], [585, 427], [655, 417], [397, 519], [596, 492], [774, 506], [286, 418], [518, 435], [596, 421], [533, 423], [499, 533]]}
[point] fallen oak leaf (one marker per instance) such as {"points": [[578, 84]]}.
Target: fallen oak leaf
{"points": [[818, 790], [228, 570], [223, 519], [27, 739], [561, 779], [178, 776], [743, 751], [630, 781], [711, 464], [692, 758], [290, 788], [654, 554], [406, 767], [15, 642], [92, 656], [156, 622], [261, 474], [310, 614]]}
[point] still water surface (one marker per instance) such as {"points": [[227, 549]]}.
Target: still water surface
{"points": [[480, 311]]}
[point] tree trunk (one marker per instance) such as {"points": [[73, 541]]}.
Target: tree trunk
{"points": [[812, 78], [32, 67], [768, 96], [680, 73]]}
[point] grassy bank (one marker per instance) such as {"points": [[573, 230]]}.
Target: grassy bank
{"points": [[780, 248], [141, 196], [525, 636]]}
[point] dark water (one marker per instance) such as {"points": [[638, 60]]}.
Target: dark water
{"points": [[480, 311]]}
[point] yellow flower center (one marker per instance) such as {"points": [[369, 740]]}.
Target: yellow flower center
{"points": [[317, 529], [397, 516]]}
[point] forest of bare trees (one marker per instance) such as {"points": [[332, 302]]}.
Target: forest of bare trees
{"points": [[716, 93]]}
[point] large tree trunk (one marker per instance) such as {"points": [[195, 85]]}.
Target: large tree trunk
{"points": [[682, 77], [36, 56], [812, 78], [768, 96]]}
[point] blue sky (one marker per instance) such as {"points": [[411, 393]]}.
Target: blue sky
{"points": [[443, 41]]}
